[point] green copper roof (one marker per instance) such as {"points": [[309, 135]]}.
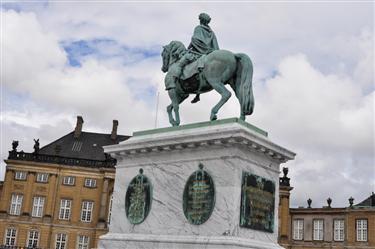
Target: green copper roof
{"points": [[202, 124]]}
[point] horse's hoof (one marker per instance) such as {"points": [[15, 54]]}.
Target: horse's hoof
{"points": [[213, 117], [242, 117]]}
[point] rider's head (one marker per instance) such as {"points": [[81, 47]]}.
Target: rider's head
{"points": [[204, 18]]}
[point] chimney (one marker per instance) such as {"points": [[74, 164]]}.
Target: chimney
{"points": [[78, 129], [114, 130]]}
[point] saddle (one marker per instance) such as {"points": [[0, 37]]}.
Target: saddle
{"points": [[192, 79]]}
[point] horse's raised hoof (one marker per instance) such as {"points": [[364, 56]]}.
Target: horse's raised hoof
{"points": [[213, 117]]}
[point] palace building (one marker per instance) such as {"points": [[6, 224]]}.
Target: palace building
{"points": [[59, 196], [326, 227]]}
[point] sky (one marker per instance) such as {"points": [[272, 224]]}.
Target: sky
{"points": [[313, 78]]}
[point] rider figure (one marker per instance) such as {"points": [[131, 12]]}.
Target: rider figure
{"points": [[203, 42]]}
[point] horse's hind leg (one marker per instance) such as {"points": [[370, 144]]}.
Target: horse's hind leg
{"points": [[225, 95], [171, 119]]}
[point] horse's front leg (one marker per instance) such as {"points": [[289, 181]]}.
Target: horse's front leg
{"points": [[225, 95], [175, 106]]}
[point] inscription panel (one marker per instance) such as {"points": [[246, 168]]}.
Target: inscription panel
{"points": [[138, 199], [199, 197], [257, 203]]}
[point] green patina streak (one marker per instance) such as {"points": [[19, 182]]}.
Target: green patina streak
{"points": [[202, 124]]}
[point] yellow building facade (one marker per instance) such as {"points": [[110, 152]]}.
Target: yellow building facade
{"points": [[59, 196], [351, 227]]}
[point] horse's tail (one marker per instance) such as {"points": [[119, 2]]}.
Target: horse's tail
{"points": [[244, 83]]}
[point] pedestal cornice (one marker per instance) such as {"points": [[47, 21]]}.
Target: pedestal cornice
{"points": [[229, 131]]}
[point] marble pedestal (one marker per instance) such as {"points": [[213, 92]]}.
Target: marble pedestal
{"points": [[168, 156]]}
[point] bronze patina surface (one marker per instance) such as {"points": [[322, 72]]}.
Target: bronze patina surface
{"points": [[138, 198], [203, 67], [199, 197], [257, 203]]}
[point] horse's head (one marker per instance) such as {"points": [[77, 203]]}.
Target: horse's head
{"points": [[172, 53], [165, 57]]}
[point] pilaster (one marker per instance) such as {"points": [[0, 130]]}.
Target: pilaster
{"points": [[5, 196], [26, 206]]}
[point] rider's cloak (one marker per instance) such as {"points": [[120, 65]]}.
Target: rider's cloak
{"points": [[204, 40]]}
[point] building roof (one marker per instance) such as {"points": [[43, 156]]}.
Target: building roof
{"points": [[368, 202], [88, 145], [77, 148]]}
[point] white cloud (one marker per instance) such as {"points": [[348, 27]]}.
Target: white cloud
{"points": [[328, 123], [319, 102]]}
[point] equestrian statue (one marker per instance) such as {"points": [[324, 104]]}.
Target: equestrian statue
{"points": [[203, 67]]}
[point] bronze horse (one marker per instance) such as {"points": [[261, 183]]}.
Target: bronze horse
{"points": [[221, 67]]}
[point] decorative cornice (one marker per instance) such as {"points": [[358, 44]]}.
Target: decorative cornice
{"points": [[225, 135]]}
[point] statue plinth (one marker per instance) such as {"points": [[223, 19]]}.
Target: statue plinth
{"points": [[214, 185]]}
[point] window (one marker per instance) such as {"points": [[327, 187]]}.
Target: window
{"points": [[20, 175], [15, 204], [69, 180], [298, 229], [338, 230], [42, 177], [32, 241], [38, 204], [318, 230], [83, 242], [361, 227], [90, 183], [65, 206], [110, 209], [87, 207], [61, 239], [10, 237]]}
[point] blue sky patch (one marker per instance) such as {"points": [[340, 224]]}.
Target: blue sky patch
{"points": [[106, 49]]}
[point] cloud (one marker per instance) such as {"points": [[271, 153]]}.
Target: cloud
{"points": [[327, 121], [313, 78]]}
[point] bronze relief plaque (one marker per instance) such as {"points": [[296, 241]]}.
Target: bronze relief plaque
{"points": [[138, 198], [257, 203], [199, 197]]}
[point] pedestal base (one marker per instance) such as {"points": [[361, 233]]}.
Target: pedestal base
{"points": [[149, 241], [228, 150]]}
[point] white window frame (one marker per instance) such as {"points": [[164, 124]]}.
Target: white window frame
{"points": [[318, 229], [42, 177], [298, 225], [32, 239], [69, 180], [361, 226], [65, 208], [10, 236], [90, 183], [61, 241], [20, 175], [86, 211], [16, 204], [338, 230], [83, 242], [110, 209], [38, 206]]}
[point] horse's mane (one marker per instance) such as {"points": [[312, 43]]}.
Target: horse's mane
{"points": [[176, 49]]}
